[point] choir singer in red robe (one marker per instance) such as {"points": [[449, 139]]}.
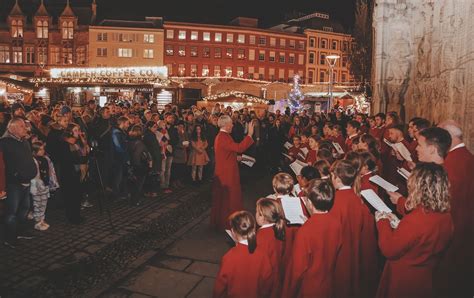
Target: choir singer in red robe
{"points": [[226, 192]]}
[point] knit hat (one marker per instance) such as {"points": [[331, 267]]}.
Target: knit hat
{"points": [[64, 110]]}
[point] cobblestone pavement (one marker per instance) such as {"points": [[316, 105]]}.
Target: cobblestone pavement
{"points": [[188, 264], [84, 261]]}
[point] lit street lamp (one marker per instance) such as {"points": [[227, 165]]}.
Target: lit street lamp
{"points": [[331, 59]]}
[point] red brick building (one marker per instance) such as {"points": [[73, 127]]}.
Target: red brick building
{"points": [[240, 49]]}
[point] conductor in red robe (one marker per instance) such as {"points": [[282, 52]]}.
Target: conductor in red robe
{"points": [[226, 192]]}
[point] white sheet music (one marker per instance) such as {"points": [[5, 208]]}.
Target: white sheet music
{"points": [[404, 173], [383, 183], [229, 232], [248, 160], [296, 167], [293, 210], [374, 200], [403, 150], [287, 156], [338, 148], [296, 189], [287, 145], [304, 150]]}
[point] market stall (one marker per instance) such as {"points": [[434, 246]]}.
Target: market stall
{"points": [[235, 99]]}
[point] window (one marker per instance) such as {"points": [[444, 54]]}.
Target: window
{"points": [[241, 54], [291, 74], [55, 55], [17, 55], [271, 57], [240, 72], [126, 37], [218, 37], [148, 38], [273, 41], [68, 30], [194, 35], [148, 53], [322, 74], [300, 45], [310, 77], [228, 71], [30, 55], [251, 55], [334, 45], [311, 58], [230, 38], [324, 43], [271, 74], [205, 70], [170, 69], [262, 40], [217, 53], [43, 55], [241, 38], [322, 59], [182, 34], [282, 43], [101, 52], [182, 51], [261, 56], [228, 53], [206, 36], [217, 71], [194, 70], [343, 77], [81, 56], [344, 61], [169, 34], [252, 39], [300, 59], [193, 51], [67, 55], [17, 28], [181, 70], [169, 50], [291, 59], [125, 53], [292, 44], [261, 73], [42, 29], [328, 29], [101, 36], [312, 42], [281, 74], [4, 54], [251, 72], [282, 58], [206, 52], [345, 46]]}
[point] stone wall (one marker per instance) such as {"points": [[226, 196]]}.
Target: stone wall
{"points": [[424, 60]]}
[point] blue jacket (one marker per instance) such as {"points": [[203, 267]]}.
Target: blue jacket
{"points": [[120, 146]]}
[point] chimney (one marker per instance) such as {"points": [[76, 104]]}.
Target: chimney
{"points": [[94, 11]]}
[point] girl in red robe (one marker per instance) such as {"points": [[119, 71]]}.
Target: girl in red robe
{"points": [[414, 248], [271, 237], [245, 271], [317, 245], [312, 155]]}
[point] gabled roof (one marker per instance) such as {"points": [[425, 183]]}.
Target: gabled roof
{"points": [[16, 10], [42, 12], [67, 12]]}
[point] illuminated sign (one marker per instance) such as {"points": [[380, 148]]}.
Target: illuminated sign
{"points": [[145, 72]]}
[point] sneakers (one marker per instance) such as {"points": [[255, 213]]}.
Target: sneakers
{"points": [[41, 226], [30, 215], [87, 204]]}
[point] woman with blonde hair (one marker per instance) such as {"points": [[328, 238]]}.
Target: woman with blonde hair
{"points": [[414, 248]]}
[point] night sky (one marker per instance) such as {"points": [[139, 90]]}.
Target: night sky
{"points": [[270, 12]]}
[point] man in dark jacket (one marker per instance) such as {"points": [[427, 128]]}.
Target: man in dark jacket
{"points": [[121, 157], [151, 142], [20, 168], [101, 131]]}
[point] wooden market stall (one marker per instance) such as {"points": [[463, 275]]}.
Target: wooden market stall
{"points": [[236, 100]]}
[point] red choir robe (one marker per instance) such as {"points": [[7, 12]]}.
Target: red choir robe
{"points": [[340, 140], [363, 129], [348, 143], [377, 132], [454, 275], [294, 151], [270, 245], [311, 271], [412, 251], [348, 208], [391, 165], [243, 274], [311, 157], [226, 192]]}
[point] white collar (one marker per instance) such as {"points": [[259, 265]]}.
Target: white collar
{"points": [[223, 130], [267, 226], [368, 173], [457, 147], [353, 136], [244, 242], [344, 187]]}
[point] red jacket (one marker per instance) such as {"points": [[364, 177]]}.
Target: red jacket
{"points": [[226, 192], [311, 157], [270, 245], [311, 272], [412, 251], [243, 274]]}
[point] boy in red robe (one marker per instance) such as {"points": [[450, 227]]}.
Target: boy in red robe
{"points": [[311, 272], [226, 192]]}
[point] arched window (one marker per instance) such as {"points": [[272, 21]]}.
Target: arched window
{"points": [[17, 28], [42, 29], [68, 30]]}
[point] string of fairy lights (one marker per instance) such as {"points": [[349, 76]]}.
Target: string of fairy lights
{"points": [[236, 94], [16, 86]]}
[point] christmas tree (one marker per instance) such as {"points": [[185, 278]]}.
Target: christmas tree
{"points": [[296, 97]]}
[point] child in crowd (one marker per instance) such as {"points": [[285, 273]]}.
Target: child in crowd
{"points": [[312, 155], [271, 237], [42, 184], [295, 150], [307, 174], [198, 157], [316, 247], [245, 271], [323, 167]]}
